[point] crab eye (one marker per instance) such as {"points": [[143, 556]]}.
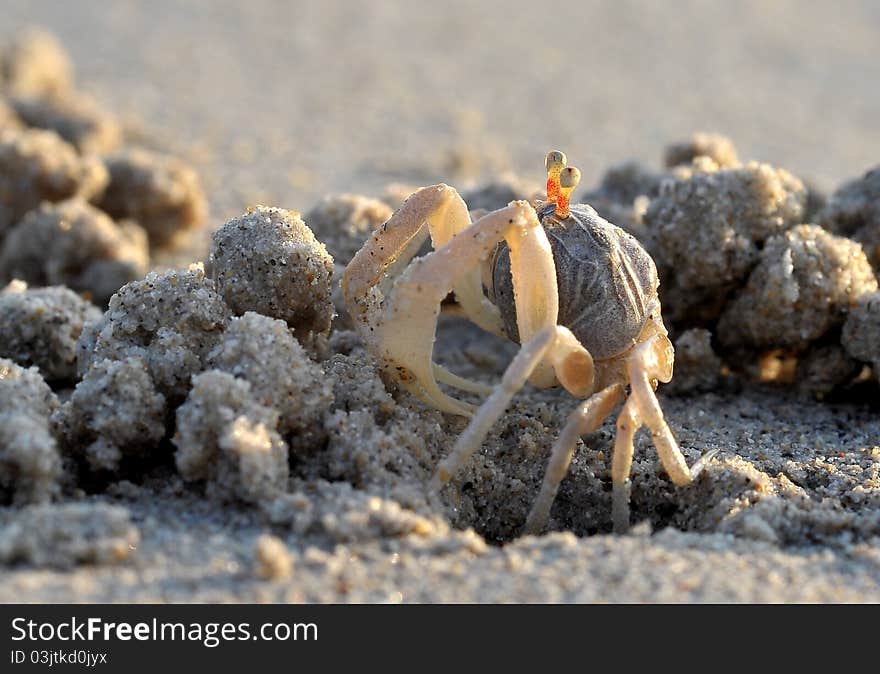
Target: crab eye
{"points": [[554, 162], [568, 180]]}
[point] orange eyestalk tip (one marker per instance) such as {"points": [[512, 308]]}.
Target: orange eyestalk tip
{"points": [[555, 162], [568, 180]]}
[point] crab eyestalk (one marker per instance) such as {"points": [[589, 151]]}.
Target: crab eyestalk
{"points": [[568, 180], [555, 162]]}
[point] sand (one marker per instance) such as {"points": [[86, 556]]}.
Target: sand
{"points": [[282, 106]]}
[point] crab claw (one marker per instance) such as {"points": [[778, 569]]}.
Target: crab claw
{"points": [[403, 331], [397, 314]]}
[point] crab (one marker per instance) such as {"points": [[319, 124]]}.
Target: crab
{"points": [[575, 291]]}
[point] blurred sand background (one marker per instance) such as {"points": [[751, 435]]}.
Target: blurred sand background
{"points": [[283, 102]]}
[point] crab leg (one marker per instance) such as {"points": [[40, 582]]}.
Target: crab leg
{"points": [[644, 408], [516, 375], [555, 345], [586, 418], [628, 422], [641, 369], [444, 376]]}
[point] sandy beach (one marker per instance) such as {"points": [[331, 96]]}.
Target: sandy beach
{"points": [[283, 103]]}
